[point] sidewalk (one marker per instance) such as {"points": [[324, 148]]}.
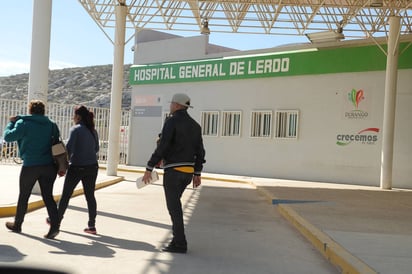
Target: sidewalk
{"points": [[359, 228], [231, 228], [10, 189]]}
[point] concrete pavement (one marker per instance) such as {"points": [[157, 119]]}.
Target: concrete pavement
{"points": [[359, 228], [230, 228]]}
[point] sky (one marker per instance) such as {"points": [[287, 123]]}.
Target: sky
{"points": [[77, 41]]}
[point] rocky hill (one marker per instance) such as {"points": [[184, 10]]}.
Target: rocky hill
{"points": [[90, 86]]}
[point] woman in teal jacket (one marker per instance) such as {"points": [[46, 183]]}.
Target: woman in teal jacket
{"points": [[33, 134]]}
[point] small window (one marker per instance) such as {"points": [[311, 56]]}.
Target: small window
{"points": [[287, 122], [210, 121], [231, 121], [261, 124]]}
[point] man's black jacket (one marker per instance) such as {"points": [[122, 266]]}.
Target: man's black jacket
{"points": [[180, 144]]}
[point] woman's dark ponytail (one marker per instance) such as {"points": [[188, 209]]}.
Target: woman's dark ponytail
{"points": [[86, 116]]}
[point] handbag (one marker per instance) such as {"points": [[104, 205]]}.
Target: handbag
{"points": [[60, 155]]}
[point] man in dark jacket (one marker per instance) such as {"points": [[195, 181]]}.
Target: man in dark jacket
{"points": [[182, 152]]}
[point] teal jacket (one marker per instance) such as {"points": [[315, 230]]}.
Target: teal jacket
{"points": [[33, 134]]}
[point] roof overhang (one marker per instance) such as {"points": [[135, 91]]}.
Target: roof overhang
{"points": [[358, 19]]}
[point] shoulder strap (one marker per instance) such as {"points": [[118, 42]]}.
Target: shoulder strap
{"points": [[55, 133]]}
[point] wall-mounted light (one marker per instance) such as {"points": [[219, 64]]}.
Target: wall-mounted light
{"points": [[325, 36], [205, 27], [376, 3]]}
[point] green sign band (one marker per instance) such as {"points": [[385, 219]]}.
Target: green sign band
{"points": [[352, 59]]}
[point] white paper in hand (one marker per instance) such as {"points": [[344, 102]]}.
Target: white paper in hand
{"points": [[141, 184]]}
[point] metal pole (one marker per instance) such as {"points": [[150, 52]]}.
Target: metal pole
{"points": [[40, 54], [40, 50], [390, 103], [116, 93]]}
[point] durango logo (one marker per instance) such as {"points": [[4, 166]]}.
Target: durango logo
{"points": [[355, 97], [365, 136]]}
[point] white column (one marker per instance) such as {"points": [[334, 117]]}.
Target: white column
{"points": [[40, 54], [40, 50], [390, 103], [116, 93]]}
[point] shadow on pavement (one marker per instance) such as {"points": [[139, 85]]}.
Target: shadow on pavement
{"points": [[234, 230], [121, 217], [110, 241], [94, 249], [10, 254]]}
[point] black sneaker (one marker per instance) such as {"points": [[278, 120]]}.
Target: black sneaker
{"points": [[53, 232], [90, 230], [173, 248], [13, 227]]}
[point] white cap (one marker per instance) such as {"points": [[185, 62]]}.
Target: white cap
{"points": [[181, 99]]}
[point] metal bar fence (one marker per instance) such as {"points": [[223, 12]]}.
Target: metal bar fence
{"points": [[63, 116]]}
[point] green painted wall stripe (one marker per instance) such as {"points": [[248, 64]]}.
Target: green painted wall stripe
{"points": [[338, 60]]}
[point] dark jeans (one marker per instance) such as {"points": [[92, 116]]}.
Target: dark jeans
{"points": [[88, 176], [174, 184], [45, 175]]}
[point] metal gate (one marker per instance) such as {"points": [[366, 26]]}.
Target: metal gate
{"points": [[63, 116]]}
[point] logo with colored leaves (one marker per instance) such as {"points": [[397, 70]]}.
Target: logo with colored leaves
{"points": [[366, 136], [355, 97]]}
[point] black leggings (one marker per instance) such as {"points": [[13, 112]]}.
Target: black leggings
{"points": [[45, 175], [88, 176]]}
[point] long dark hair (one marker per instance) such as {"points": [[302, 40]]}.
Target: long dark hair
{"points": [[87, 117]]}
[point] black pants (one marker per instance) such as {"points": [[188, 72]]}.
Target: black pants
{"points": [[45, 175], [88, 176], [174, 184]]}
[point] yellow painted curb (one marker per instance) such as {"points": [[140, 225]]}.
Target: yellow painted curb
{"points": [[331, 250]]}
